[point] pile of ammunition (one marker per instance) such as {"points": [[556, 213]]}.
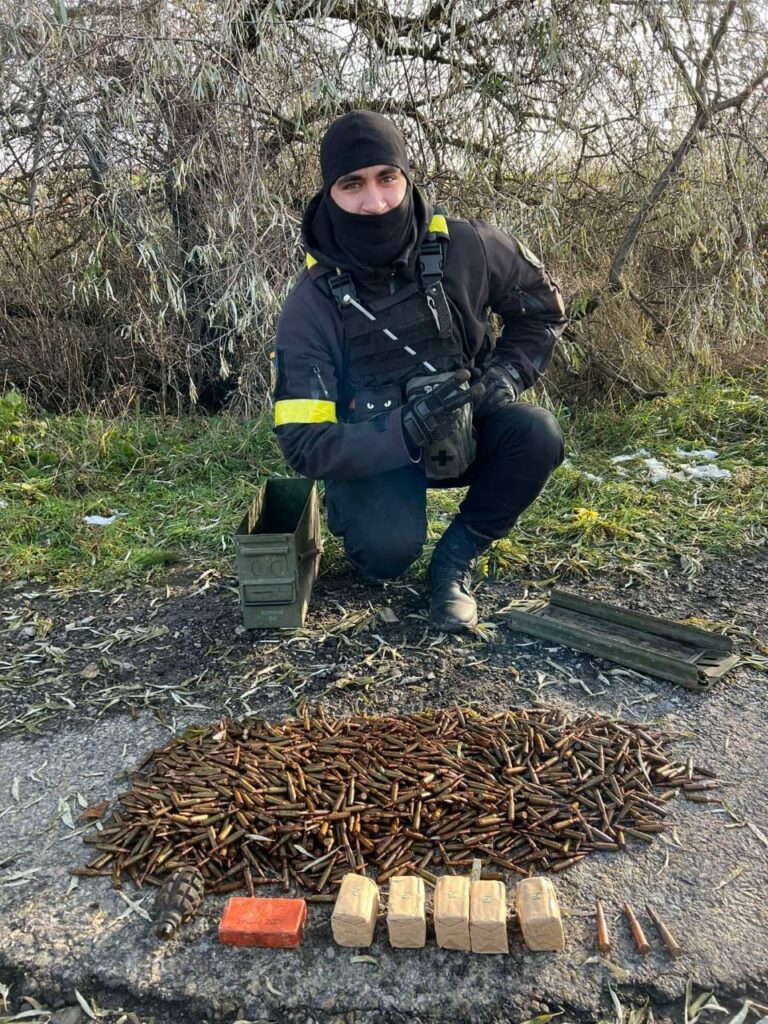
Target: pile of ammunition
{"points": [[307, 800]]}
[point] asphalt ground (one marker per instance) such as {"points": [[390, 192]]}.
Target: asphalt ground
{"points": [[707, 874]]}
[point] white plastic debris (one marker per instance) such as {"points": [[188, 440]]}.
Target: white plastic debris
{"points": [[705, 453], [709, 472], [658, 471], [628, 458], [99, 520]]}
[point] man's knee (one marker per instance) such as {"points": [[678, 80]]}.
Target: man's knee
{"points": [[383, 557], [547, 436], [538, 429]]}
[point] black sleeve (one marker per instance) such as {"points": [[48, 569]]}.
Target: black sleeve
{"points": [[306, 393], [526, 298]]}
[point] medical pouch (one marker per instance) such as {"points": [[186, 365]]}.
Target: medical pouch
{"points": [[449, 457]]}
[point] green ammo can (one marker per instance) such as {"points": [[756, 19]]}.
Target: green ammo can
{"points": [[278, 547]]}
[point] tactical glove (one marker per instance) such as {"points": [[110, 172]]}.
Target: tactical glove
{"points": [[502, 384], [434, 415]]}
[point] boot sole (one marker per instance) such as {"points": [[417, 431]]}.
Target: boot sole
{"points": [[453, 626]]}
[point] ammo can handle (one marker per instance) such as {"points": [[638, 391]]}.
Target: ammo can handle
{"points": [[310, 553]]}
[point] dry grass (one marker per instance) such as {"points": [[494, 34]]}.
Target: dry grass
{"points": [[151, 229]]}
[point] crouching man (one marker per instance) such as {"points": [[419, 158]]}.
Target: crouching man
{"points": [[387, 379]]}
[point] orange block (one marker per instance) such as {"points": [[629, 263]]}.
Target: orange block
{"points": [[274, 923]]}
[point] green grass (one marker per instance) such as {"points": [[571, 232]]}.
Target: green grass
{"points": [[180, 486], [624, 521]]}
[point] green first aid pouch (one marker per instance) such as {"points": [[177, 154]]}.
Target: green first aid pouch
{"points": [[450, 457]]}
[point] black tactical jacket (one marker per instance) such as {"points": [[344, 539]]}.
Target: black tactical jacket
{"points": [[485, 270]]}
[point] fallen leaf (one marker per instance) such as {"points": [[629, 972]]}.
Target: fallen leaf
{"points": [[640, 1015], [65, 813], [741, 1016], [620, 973], [36, 1006], [616, 1005], [94, 813], [16, 878], [86, 1007], [711, 1004], [730, 877], [134, 906], [362, 681], [90, 671], [758, 834], [691, 1009]]}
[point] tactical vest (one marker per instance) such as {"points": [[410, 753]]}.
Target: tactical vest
{"points": [[389, 340]]}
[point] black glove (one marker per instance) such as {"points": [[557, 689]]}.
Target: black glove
{"points": [[432, 416], [502, 384]]}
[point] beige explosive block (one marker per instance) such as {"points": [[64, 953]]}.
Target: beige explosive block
{"points": [[406, 918], [353, 920], [539, 914], [488, 917], [451, 912]]}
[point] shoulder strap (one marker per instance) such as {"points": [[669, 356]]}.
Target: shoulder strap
{"points": [[432, 253], [431, 259], [334, 282], [431, 262]]}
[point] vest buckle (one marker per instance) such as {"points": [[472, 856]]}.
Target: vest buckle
{"points": [[431, 263], [342, 288]]}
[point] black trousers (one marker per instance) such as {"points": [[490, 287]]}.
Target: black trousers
{"points": [[383, 518]]}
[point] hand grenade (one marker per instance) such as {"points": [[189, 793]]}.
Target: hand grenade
{"points": [[178, 900]]}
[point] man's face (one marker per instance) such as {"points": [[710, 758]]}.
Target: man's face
{"points": [[370, 190]]}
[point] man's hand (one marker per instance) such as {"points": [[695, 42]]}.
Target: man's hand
{"points": [[432, 416], [502, 385]]}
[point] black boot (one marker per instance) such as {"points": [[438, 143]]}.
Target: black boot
{"points": [[365, 577], [452, 607]]}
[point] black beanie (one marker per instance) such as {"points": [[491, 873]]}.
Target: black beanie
{"points": [[361, 139]]}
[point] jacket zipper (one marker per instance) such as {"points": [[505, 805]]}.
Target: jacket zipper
{"points": [[320, 381]]}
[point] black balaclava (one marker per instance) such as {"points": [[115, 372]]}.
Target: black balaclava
{"points": [[363, 139]]}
